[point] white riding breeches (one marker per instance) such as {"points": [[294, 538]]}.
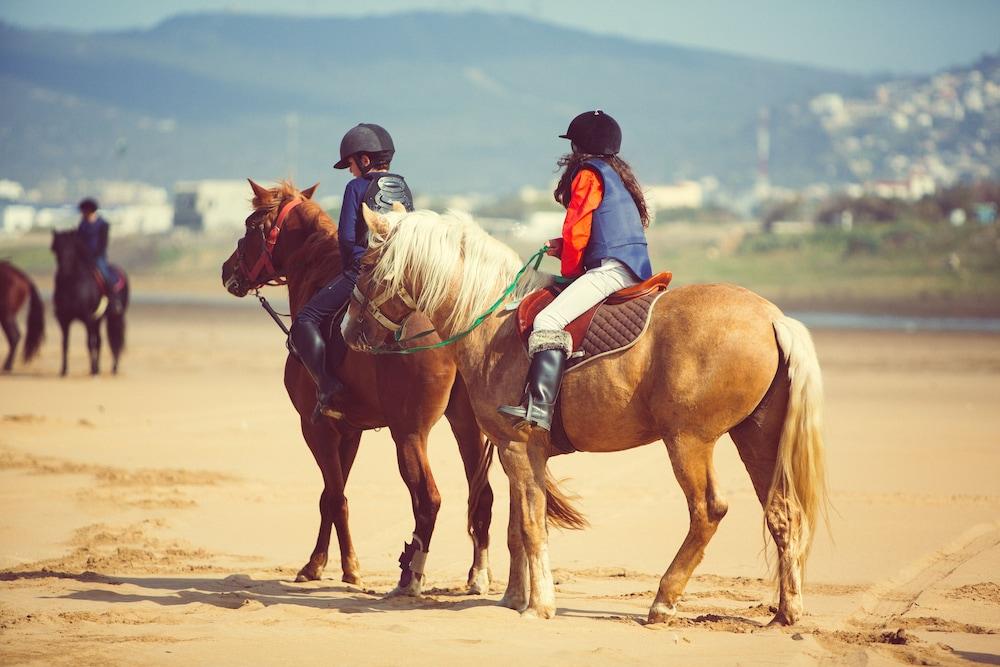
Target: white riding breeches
{"points": [[584, 293]]}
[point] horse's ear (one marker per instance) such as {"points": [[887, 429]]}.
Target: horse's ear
{"points": [[376, 223], [308, 192], [398, 207], [258, 190]]}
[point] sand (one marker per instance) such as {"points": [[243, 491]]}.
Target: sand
{"points": [[160, 516]]}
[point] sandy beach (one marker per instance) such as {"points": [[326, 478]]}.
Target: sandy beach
{"points": [[159, 517]]}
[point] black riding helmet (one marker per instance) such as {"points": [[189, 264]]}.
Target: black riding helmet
{"points": [[364, 138], [595, 132], [88, 205]]}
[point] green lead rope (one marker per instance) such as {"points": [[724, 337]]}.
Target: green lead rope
{"points": [[535, 260]]}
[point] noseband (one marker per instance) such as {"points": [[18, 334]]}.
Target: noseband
{"points": [[264, 266]]}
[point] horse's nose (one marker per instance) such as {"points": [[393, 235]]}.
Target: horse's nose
{"points": [[232, 284]]}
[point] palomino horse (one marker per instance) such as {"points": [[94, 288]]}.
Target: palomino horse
{"points": [[15, 289], [714, 359], [289, 237], [77, 296]]}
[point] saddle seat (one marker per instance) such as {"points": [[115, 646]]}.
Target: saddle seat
{"points": [[611, 325]]}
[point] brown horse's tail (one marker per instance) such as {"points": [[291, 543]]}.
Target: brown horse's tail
{"points": [[800, 471], [559, 506], [36, 324]]}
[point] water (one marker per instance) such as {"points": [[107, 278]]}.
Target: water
{"points": [[897, 322], [814, 320]]}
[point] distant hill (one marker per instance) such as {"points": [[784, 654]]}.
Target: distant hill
{"points": [[474, 100]]}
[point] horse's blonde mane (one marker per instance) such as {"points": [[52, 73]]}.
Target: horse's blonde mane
{"points": [[451, 258]]}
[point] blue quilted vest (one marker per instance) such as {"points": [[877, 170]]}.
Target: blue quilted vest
{"points": [[617, 231]]}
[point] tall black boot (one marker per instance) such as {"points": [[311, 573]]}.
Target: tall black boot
{"points": [[306, 341], [548, 361]]}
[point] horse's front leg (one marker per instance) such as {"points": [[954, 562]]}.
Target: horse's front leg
{"points": [[64, 325], [525, 467], [94, 345]]}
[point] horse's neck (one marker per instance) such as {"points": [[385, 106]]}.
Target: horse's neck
{"points": [[306, 277]]}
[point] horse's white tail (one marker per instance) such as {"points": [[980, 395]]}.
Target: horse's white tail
{"points": [[800, 472]]}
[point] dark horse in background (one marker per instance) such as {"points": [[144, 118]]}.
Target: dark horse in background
{"points": [[15, 289], [78, 296], [290, 238]]}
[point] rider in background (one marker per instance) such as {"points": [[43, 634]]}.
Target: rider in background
{"points": [[93, 235], [367, 151], [602, 249]]}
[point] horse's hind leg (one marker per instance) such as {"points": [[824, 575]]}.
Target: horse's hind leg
{"points": [[757, 439], [691, 459], [94, 346], [476, 457], [13, 334]]}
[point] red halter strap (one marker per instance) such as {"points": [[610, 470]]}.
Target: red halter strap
{"points": [[272, 236], [264, 264]]}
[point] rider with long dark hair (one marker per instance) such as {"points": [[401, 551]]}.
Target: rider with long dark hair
{"points": [[367, 151], [602, 248]]}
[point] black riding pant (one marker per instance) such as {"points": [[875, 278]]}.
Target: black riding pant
{"points": [[327, 301]]}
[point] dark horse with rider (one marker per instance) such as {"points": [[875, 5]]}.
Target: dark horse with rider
{"points": [[88, 288]]}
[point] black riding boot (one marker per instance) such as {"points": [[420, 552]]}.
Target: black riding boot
{"points": [[306, 341], [544, 378]]}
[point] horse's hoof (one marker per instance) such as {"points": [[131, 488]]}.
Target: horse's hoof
{"points": [[353, 579], [513, 602], [661, 613], [781, 619], [479, 583], [539, 612], [404, 592]]}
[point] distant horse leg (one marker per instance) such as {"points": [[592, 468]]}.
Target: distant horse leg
{"points": [[324, 442], [757, 440], [411, 455], [691, 459], [476, 458], [64, 325], [518, 583], [94, 346], [13, 334], [525, 466]]}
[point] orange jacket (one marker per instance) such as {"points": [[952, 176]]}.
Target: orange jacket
{"points": [[586, 195]]}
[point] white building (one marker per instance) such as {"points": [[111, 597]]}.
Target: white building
{"points": [[11, 190], [140, 219], [683, 194], [211, 205], [16, 219]]}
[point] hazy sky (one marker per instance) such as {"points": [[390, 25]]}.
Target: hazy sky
{"points": [[856, 35]]}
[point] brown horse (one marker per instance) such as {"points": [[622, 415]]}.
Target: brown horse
{"points": [[714, 359], [15, 289], [289, 237]]}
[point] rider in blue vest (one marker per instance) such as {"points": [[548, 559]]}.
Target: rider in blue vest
{"points": [[92, 233], [602, 249], [367, 151]]}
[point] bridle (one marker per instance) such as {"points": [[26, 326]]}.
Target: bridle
{"points": [[374, 308], [263, 272]]}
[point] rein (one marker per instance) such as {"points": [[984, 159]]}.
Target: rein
{"points": [[535, 259]]}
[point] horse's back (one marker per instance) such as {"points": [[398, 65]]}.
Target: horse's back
{"points": [[706, 359]]}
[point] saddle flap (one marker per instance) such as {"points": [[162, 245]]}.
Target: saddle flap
{"points": [[533, 304]]}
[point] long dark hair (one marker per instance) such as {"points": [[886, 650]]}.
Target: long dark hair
{"points": [[571, 163]]}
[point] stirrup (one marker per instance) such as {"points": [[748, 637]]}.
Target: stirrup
{"points": [[535, 415]]}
